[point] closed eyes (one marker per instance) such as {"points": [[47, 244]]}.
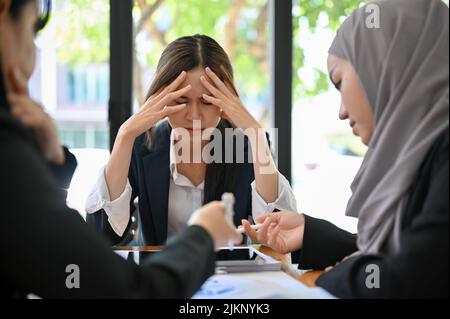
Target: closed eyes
{"points": [[205, 102], [337, 85], [181, 101]]}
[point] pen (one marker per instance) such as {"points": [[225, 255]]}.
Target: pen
{"points": [[228, 202], [254, 227]]}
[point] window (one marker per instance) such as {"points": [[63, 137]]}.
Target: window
{"points": [[325, 154], [71, 80]]}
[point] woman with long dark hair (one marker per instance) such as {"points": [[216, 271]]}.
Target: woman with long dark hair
{"points": [[193, 84]]}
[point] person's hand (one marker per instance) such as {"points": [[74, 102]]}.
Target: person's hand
{"points": [[223, 96], [281, 231], [156, 108], [32, 115], [212, 218]]}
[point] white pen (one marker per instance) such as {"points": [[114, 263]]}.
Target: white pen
{"points": [[254, 227], [228, 202]]}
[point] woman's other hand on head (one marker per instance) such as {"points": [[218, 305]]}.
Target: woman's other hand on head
{"points": [[224, 96]]}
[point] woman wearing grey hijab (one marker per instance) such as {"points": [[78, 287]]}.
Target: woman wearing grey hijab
{"points": [[389, 61]]}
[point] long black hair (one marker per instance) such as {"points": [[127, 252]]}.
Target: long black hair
{"points": [[187, 53], [221, 177]]}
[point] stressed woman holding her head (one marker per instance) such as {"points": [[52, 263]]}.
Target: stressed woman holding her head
{"points": [[193, 92], [394, 86]]}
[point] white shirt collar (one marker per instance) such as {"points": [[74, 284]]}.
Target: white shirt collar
{"points": [[177, 178]]}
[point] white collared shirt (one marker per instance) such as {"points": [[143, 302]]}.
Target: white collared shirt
{"points": [[184, 199]]}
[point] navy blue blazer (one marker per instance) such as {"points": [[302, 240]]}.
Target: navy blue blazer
{"points": [[149, 176]]}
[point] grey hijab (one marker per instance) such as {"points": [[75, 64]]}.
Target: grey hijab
{"points": [[403, 66]]}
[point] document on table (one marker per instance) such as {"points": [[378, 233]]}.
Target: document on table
{"points": [[259, 285]]}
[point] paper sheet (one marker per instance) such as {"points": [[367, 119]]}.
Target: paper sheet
{"points": [[261, 285]]}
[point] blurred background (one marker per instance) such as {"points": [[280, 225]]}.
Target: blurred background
{"points": [[72, 80]]}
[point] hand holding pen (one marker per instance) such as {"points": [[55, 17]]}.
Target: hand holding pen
{"points": [[213, 219]]}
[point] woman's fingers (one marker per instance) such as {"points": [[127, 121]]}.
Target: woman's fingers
{"points": [[271, 228], [249, 230], [211, 88], [261, 218], [218, 82], [20, 104], [27, 116], [213, 100], [163, 91], [265, 226], [27, 111], [267, 234], [17, 101], [263, 231], [273, 235], [18, 81], [231, 89], [157, 95], [171, 97], [29, 120], [168, 110], [175, 84], [168, 98]]}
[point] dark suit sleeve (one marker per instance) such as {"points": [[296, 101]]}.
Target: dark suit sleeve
{"points": [[48, 237], [419, 270], [99, 219], [324, 244], [64, 173], [99, 222]]}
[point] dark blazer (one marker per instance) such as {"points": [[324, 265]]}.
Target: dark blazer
{"points": [[149, 176], [419, 270], [48, 236]]}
